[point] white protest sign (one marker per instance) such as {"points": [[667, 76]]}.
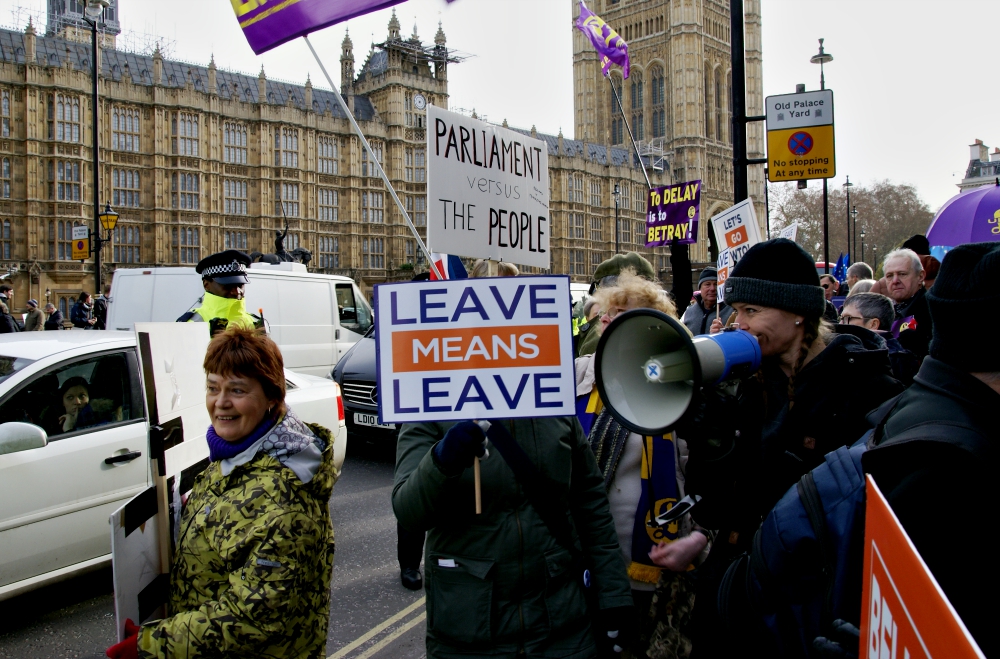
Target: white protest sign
{"points": [[493, 348], [141, 587], [487, 191], [722, 273], [790, 232], [736, 230]]}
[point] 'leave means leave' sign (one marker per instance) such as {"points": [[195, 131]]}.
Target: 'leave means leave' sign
{"points": [[460, 349]]}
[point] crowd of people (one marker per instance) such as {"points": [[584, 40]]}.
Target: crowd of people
{"points": [[86, 313], [575, 552]]}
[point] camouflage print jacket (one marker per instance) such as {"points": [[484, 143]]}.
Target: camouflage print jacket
{"points": [[251, 574]]}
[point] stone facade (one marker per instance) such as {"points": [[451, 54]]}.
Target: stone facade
{"points": [[195, 158], [983, 169], [677, 97]]}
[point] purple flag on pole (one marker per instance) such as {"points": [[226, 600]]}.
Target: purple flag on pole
{"points": [[609, 45], [270, 23]]}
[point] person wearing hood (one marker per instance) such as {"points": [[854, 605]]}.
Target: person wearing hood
{"points": [[254, 559], [223, 276], [805, 400]]}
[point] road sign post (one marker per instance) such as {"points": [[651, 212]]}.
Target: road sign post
{"points": [[800, 141]]}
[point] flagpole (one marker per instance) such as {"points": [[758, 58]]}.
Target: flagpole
{"points": [[377, 164], [634, 146]]}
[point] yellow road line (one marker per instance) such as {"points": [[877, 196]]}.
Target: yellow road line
{"points": [[364, 638], [393, 636]]}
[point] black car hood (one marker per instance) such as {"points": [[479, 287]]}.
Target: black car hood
{"points": [[358, 363]]}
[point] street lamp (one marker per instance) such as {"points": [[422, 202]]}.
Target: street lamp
{"points": [[862, 243], [854, 214], [821, 58], [108, 219], [94, 11], [847, 186], [617, 192]]}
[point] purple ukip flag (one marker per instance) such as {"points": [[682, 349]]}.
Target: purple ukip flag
{"points": [[609, 45], [270, 23]]}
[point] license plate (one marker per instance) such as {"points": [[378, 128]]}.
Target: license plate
{"points": [[371, 420]]}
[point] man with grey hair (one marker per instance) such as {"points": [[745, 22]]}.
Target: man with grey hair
{"points": [[904, 281], [857, 272], [877, 313]]}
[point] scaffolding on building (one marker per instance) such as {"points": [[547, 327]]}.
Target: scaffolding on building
{"points": [[653, 153]]}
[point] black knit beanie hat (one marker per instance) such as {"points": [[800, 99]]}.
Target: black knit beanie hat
{"points": [[708, 274], [967, 280], [777, 273]]}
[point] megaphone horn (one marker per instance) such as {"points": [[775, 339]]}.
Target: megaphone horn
{"points": [[649, 369]]}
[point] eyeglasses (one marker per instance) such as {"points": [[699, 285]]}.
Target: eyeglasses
{"points": [[612, 313], [847, 320], [827, 286]]}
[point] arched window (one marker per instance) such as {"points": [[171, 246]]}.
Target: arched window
{"points": [[720, 110], [708, 102], [729, 94], [617, 123], [659, 117], [638, 101]]}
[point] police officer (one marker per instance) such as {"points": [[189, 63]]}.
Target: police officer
{"points": [[223, 275]]}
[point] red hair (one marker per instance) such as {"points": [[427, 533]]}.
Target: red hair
{"points": [[247, 353]]}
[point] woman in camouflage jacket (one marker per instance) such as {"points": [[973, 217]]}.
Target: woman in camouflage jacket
{"points": [[251, 572]]}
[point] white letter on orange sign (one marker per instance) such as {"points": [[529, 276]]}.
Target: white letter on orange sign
{"points": [[448, 349], [418, 347], [523, 340], [510, 350], [874, 619]]}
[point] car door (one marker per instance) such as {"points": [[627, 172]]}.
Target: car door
{"points": [[55, 500], [355, 317]]}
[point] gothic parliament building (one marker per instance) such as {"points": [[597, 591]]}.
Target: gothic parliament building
{"points": [[196, 159]]}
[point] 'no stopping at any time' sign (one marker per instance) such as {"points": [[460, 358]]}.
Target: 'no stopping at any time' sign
{"points": [[800, 136]]}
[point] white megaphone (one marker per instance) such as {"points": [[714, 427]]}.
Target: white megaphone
{"points": [[649, 369]]}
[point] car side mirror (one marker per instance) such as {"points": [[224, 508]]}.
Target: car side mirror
{"points": [[16, 436]]}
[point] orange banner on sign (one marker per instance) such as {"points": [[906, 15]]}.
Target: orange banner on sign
{"points": [[904, 611], [475, 347]]}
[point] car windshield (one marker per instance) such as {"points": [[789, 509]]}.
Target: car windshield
{"points": [[11, 365]]}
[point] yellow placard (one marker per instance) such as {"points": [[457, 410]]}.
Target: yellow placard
{"points": [[81, 249], [797, 154]]}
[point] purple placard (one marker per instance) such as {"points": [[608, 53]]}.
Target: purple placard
{"points": [[269, 24], [673, 214]]}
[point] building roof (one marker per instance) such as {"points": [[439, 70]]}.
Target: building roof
{"points": [[231, 85], [595, 152]]}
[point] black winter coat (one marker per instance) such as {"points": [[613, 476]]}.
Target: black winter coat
{"points": [[55, 321], [916, 340], [945, 496], [773, 442]]}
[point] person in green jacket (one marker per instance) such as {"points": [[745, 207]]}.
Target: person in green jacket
{"points": [[252, 568], [499, 584], [223, 274], [605, 276]]}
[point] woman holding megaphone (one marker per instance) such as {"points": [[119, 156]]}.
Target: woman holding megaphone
{"points": [[811, 395]]}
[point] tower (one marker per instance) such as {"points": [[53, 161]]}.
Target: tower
{"points": [[346, 64], [66, 19], [678, 96]]}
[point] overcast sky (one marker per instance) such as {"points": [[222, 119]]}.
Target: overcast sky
{"points": [[914, 80]]}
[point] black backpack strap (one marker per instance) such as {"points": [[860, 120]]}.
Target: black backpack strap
{"points": [[813, 504], [533, 483]]}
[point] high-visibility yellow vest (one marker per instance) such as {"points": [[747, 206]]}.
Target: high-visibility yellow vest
{"points": [[227, 312]]}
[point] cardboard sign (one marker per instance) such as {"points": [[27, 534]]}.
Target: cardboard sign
{"points": [[487, 191], [171, 356], [493, 348], [904, 611], [790, 232], [736, 230], [673, 214]]}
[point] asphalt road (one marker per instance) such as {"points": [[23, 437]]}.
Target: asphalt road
{"points": [[371, 614]]}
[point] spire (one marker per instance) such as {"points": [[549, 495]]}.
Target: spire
{"points": [[31, 27], [393, 26], [439, 38], [414, 36], [262, 86], [213, 87]]}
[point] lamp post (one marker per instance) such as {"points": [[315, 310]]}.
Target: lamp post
{"points": [[821, 58], [617, 192], [847, 187], [94, 10], [862, 242], [854, 214]]}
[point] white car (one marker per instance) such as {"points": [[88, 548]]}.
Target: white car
{"points": [[58, 489]]}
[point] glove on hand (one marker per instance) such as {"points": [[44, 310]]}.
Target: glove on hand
{"points": [[129, 648], [712, 424], [617, 628], [461, 443], [843, 642]]}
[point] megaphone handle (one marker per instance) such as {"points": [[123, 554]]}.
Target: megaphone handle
{"points": [[478, 484]]}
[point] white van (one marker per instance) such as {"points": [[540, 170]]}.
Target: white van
{"points": [[314, 318]]}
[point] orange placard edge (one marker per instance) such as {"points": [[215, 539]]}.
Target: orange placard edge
{"points": [[873, 488]]}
